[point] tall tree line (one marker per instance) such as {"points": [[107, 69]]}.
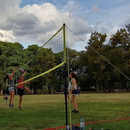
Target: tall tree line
{"points": [[92, 66]]}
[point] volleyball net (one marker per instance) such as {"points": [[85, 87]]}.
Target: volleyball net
{"points": [[54, 46]]}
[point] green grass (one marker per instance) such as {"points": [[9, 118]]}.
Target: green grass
{"points": [[48, 111]]}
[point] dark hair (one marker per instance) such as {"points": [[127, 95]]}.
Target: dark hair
{"points": [[7, 77], [73, 74]]}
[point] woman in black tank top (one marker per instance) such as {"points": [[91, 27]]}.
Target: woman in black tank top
{"points": [[73, 92]]}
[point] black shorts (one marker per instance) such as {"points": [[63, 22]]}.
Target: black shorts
{"points": [[74, 92], [20, 91], [6, 98]]}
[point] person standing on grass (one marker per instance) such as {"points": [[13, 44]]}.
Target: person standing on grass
{"points": [[11, 87], [21, 87], [73, 91], [63, 89], [78, 90], [5, 97]]}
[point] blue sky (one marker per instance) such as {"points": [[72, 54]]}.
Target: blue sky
{"points": [[28, 21]]}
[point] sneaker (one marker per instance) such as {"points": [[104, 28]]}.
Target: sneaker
{"points": [[11, 106], [19, 108], [73, 111], [76, 111]]}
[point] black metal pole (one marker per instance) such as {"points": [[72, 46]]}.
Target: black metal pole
{"points": [[16, 82], [67, 126]]}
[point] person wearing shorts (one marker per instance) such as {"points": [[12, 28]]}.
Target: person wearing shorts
{"points": [[6, 97], [63, 89], [21, 87], [11, 88], [73, 91], [21, 92]]}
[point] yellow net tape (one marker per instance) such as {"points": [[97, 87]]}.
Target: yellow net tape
{"points": [[41, 74]]}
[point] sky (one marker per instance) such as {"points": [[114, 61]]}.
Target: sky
{"points": [[35, 21]]}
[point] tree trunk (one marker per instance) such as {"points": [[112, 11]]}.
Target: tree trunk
{"points": [[113, 90], [35, 88], [52, 89], [42, 90], [96, 86], [1, 89], [111, 87], [104, 86], [126, 86]]}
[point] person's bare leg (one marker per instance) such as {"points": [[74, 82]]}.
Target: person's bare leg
{"points": [[68, 96], [12, 99], [76, 106], [20, 101], [28, 90], [73, 102]]}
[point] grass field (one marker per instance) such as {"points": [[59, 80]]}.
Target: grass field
{"points": [[48, 111]]}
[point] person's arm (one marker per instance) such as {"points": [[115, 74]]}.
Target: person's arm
{"points": [[11, 76], [62, 89], [28, 90], [27, 82], [22, 75]]}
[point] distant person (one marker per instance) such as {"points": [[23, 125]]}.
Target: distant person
{"points": [[5, 97], [74, 91], [21, 87], [78, 90], [63, 89], [11, 87]]}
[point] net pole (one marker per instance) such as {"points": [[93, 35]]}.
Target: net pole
{"points": [[67, 126], [66, 113], [16, 82], [64, 42]]}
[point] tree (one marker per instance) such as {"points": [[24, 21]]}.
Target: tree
{"points": [[42, 61], [10, 56], [95, 65], [121, 41]]}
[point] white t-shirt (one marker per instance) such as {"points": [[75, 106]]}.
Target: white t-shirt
{"points": [[70, 86]]}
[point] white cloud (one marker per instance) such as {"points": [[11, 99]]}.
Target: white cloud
{"points": [[95, 9], [127, 21], [81, 27], [7, 36], [37, 23], [7, 7], [44, 12]]}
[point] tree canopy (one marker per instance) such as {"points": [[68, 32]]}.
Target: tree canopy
{"points": [[94, 65]]}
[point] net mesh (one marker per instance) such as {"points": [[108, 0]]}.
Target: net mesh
{"points": [[56, 43], [46, 56]]}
